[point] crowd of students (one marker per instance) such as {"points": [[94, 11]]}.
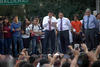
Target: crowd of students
{"points": [[19, 34]]}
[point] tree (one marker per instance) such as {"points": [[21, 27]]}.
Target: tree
{"points": [[41, 7]]}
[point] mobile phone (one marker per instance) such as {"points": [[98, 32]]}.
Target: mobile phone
{"points": [[76, 46]]}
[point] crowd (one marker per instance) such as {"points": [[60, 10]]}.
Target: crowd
{"points": [[50, 43], [76, 58]]}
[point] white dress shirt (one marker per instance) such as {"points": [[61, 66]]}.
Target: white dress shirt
{"points": [[46, 22], [65, 24]]}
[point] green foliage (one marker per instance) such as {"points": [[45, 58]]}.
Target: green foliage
{"points": [[41, 7]]}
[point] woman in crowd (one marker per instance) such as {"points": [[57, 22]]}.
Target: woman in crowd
{"points": [[76, 26], [26, 34], [36, 32], [7, 36]]}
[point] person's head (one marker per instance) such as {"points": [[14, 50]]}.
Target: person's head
{"points": [[6, 61], [57, 63], [1, 20], [36, 21], [50, 14], [26, 19], [46, 65], [65, 64], [3, 64], [31, 59], [27, 23], [22, 63], [98, 16], [61, 15], [27, 65], [88, 12], [15, 19], [76, 17], [96, 64], [34, 60], [83, 60], [43, 61], [6, 21]]}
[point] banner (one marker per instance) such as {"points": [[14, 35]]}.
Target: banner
{"points": [[13, 2]]}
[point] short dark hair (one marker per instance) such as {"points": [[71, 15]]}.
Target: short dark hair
{"points": [[61, 12], [14, 17], [57, 63], [83, 60], [3, 64], [22, 63], [27, 65], [50, 11], [97, 14], [5, 18], [66, 64], [76, 15], [31, 59], [44, 61], [96, 64]]}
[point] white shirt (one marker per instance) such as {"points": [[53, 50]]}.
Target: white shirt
{"points": [[66, 25], [35, 28], [38, 65], [46, 24], [81, 21], [27, 33], [70, 36]]}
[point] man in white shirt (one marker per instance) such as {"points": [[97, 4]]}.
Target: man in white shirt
{"points": [[63, 26], [49, 24]]}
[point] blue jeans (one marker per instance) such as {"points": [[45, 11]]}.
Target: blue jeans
{"points": [[34, 45], [20, 42], [7, 45], [1, 46]]}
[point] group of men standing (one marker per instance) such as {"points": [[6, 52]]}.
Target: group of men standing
{"points": [[87, 28], [62, 25]]}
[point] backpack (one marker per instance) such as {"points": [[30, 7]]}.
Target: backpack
{"points": [[33, 34]]}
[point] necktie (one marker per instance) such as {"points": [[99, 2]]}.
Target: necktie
{"points": [[49, 24], [61, 25], [88, 23]]}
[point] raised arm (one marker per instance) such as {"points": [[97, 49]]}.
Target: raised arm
{"points": [[74, 61]]}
